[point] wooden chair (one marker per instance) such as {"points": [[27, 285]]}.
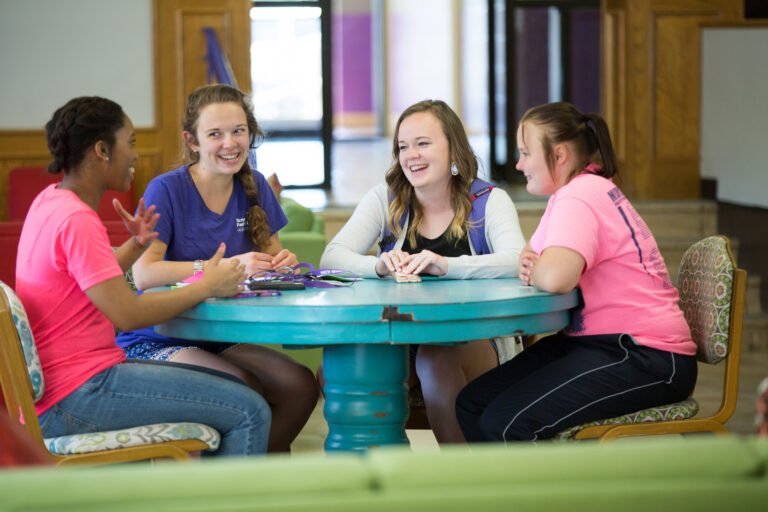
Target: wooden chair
{"points": [[712, 291], [22, 383]]}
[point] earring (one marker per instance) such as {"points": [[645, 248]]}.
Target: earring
{"points": [[454, 169]]}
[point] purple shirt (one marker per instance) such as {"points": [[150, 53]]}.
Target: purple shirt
{"points": [[193, 232]]}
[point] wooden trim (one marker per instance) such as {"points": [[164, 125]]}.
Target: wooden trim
{"points": [[651, 90], [180, 53], [734, 24]]}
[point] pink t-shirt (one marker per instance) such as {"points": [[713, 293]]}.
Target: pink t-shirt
{"points": [[625, 284], [63, 251]]}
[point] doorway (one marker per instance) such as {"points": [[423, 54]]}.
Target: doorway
{"points": [[290, 73]]}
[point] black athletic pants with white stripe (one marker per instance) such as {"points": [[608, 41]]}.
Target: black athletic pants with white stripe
{"points": [[562, 381]]}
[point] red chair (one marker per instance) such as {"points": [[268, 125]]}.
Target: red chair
{"points": [[24, 184]]}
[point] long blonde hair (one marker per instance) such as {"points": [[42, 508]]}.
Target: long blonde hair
{"points": [[220, 93], [461, 154]]}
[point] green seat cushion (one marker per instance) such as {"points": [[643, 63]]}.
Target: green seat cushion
{"points": [[670, 412]]}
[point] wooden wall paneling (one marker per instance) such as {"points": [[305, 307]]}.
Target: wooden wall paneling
{"points": [[150, 160], [19, 148], [181, 50], [652, 105], [614, 71]]}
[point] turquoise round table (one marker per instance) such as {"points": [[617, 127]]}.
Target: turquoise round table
{"points": [[365, 330]]}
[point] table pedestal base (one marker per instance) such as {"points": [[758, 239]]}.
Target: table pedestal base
{"points": [[366, 399]]}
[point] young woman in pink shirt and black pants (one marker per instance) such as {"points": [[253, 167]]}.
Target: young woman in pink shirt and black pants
{"points": [[628, 347]]}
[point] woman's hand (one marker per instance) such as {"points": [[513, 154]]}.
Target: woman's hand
{"points": [[528, 259], [224, 277], [425, 261], [252, 261], [142, 225], [284, 258], [390, 262], [255, 261]]}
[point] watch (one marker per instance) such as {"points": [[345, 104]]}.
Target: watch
{"points": [[198, 266]]}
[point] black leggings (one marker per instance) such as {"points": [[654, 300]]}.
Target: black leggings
{"points": [[564, 381]]}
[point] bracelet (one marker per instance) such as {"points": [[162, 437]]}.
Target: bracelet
{"points": [[198, 266]]}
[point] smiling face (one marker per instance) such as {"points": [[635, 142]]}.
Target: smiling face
{"points": [[122, 157], [533, 161], [221, 138], [424, 151]]}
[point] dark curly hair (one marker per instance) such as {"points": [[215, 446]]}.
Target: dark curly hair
{"points": [[221, 93], [77, 126]]}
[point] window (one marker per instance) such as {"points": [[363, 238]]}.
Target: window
{"points": [[539, 52]]}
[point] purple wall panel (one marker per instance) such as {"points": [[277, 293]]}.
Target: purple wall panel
{"points": [[532, 57], [585, 60], [352, 63]]}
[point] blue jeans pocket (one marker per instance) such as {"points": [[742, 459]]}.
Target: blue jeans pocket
{"points": [[59, 420], [56, 421]]}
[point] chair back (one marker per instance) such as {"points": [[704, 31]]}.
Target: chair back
{"points": [[707, 288], [21, 375], [25, 183], [712, 296]]}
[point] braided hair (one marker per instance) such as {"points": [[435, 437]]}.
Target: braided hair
{"points": [[77, 126]]}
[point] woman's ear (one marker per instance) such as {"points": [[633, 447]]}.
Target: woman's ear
{"points": [[101, 150], [562, 153], [190, 141]]}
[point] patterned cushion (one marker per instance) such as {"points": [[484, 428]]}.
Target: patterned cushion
{"points": [[706, 280], [137, 436], [678, 411], [27, 341]]}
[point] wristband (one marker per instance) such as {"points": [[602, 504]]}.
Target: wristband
{"points": [[198, 266]]}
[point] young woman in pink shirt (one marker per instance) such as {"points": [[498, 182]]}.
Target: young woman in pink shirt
{"points": [[628, 347], [73, 288]]}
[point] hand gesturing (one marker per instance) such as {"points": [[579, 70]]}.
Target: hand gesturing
{"points": [[142, 225]]}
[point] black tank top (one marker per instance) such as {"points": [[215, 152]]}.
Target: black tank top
{"points": [[440, 245]]}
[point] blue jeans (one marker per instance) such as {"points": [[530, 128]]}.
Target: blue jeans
{"points": [[133, 394]]}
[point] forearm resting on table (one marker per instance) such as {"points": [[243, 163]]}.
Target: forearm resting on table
{"points": [[128, 311], [150, 274], [558, 270], [152, 270]]}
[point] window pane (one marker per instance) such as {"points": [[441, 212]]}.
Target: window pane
{"points": [[286, 67]]}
